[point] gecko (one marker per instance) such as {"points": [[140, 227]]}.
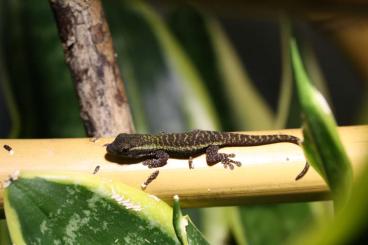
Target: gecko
{"points": [[158, 148]]}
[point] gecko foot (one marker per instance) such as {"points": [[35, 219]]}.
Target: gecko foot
{"points": [[213, 157], [160, 160], [153, 163], [230, 163]]}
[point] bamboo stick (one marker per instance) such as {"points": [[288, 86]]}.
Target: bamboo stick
{"points": [[267, 174]]}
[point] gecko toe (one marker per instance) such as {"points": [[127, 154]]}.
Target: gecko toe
{"points": [[149, 163], [228, 163]]}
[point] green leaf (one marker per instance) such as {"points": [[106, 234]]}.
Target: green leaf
{"points": [[322, 144], [84, 209], [180, 222], [185, 230]]}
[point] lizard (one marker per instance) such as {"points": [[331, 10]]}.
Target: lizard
{"points": [[158, 148]]}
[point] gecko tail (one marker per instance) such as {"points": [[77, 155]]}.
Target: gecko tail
{"points": [[303, 172], [254, 140]]}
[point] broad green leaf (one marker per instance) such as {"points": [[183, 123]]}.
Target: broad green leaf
{"points": [[322, 144], [162, 84], [66, 208]]}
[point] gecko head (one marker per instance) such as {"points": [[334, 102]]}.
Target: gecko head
{"points": [[121, 145]]}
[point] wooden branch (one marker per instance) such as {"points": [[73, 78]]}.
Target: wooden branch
{"points": [[267, 174], [89, 53]]}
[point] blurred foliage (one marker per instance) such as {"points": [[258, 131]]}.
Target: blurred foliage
{"points": [[184, 73], [4, 233], [230, 88], [36, 69], [165, 90], [258, 223], [350, 225]]}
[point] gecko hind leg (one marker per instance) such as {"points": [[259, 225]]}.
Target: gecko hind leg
{"points": [[213, 157], [159, 160]]}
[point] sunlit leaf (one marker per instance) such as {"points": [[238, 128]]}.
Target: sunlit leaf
{"points": [[323, 147]]}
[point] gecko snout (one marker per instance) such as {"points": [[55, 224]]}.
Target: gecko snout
{"points": [[116, 148], [111, 149]]}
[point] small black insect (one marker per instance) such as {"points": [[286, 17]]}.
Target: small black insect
{"points": [[97, 168], [8, 148]]}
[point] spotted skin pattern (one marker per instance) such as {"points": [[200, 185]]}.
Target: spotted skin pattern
{"points": [[160, 147]]}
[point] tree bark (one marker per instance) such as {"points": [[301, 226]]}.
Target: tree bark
{"points": [[89, 53]]}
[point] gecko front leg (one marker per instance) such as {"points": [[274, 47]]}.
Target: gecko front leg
{"points": [[213, 157], [159, 160]]}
